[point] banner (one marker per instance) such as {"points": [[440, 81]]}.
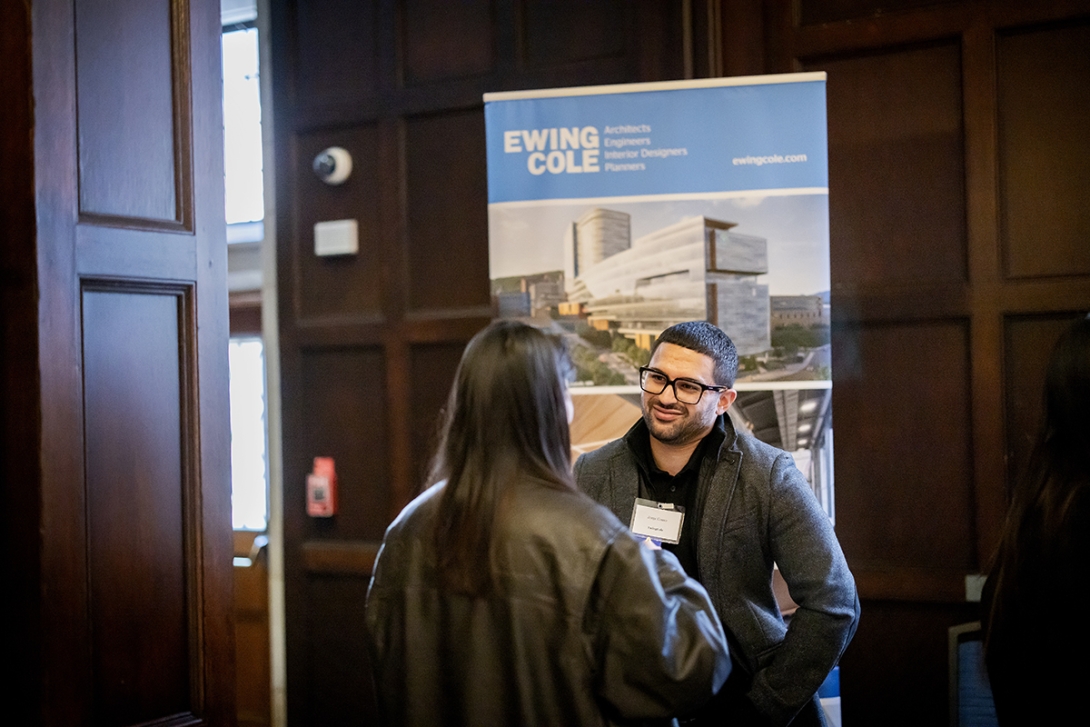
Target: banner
{"points": [[617, 211]]}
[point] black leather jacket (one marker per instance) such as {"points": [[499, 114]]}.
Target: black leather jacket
{"points": [[586, 627]]}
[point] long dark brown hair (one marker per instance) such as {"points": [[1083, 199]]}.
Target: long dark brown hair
{"points": [[505, 421], [1057, 474]]}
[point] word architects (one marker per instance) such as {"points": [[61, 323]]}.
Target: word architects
{"points": [[575, 151]]}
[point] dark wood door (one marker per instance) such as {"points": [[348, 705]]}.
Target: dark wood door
{"points": [[126, 575]]}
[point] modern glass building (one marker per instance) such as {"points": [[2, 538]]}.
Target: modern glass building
{"points": [[695, 269]]}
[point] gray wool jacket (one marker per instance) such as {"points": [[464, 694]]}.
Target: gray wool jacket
{"points": [[755, 509]]}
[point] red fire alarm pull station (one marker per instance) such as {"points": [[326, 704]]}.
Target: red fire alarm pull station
{"points": [[322, 488]]}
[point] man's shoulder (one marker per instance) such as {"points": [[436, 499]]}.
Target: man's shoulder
{"points": [[595, 471], [751, 445], [600, 458], [756, 453], [759, 465]]}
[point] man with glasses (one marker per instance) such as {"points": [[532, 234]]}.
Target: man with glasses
{"points": [[729, 507]]}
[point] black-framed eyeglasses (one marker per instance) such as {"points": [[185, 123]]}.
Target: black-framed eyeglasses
{"points": [[686, 391]]}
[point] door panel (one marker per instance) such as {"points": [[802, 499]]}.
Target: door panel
{"points": [[447, 40], [138, 544], [1043, 104], [346, 395], [127, 144], [447, 211], [916, 128], [340, 286]]}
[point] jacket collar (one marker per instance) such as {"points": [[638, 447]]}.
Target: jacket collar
{"points": [[624, 473], [721, 439]]}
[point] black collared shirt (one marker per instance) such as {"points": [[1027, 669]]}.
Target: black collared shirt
{"points": [[680, 489]]}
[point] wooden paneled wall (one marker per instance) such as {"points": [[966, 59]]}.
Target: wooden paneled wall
{"points": [[958, 176], [369, 343], [959, 170]]}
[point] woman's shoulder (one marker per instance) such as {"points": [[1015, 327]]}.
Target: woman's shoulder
{"points": [[570, 506], [552, 542], [421, 509], [563, 522]]}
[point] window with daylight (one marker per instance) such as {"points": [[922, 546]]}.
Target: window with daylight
{"points": [[244, 203], [244, 208], [249, 458]]}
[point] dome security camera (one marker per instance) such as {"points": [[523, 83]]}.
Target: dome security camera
{"points": [[333, 165]]}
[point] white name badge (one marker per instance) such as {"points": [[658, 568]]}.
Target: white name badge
{"points": [[657, 520]]}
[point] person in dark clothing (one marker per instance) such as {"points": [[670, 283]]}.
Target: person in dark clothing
{"points": [[1035, 639], [747, 507], [504, 596]]}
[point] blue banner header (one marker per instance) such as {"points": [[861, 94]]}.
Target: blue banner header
{"points": [[683, 138]]}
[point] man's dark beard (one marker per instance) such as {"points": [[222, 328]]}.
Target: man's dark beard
{"points": [[691, 429]]}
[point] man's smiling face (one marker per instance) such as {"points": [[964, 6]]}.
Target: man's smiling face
{"points": [[673, 422]]}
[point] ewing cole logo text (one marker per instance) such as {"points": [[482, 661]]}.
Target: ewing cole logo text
{"points": [[557, 151]]}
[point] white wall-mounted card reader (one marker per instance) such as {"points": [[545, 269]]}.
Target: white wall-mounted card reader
{"points": [[336, 237]]}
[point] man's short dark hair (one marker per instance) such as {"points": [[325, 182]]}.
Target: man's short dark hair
{"points": [[707, 339]]}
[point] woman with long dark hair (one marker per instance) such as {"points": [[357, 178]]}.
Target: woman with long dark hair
{"points": [[1035, 634], [503, 596]]}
